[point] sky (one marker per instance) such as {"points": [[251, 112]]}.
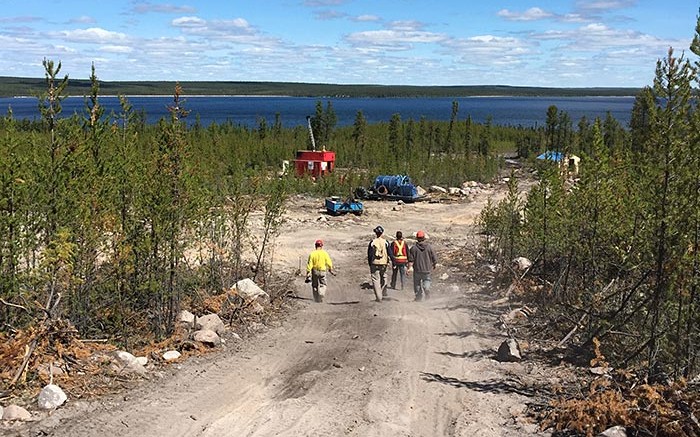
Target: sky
{"points": [[548, 43]]}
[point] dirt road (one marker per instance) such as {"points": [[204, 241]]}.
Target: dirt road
{"points": [[349, 366]]}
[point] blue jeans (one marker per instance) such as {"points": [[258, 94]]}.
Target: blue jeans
{"points": [[421, 285], [399, 270]]}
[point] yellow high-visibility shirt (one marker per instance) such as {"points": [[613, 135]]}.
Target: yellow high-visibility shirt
{"points": [[319, 260]]}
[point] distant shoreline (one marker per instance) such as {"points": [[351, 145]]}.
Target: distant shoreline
{"points": [[16, 86], [209, 96]]}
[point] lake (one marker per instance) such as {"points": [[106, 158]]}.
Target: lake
{"points": [[248, 110]]}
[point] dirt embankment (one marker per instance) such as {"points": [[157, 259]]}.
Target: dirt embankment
{"points": [[349, 366]]}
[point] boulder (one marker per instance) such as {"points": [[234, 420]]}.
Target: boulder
{"points": [[437, 189], [420, 191], [124, 362], [123, 358], [171, 355], [207, 337], [454, 191], [15, 412], [249, 290], [211, 322], [186, 317], [509, 351], [51, 397]]}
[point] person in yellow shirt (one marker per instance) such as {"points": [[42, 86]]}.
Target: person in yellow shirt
{"points": [[318, 264]]}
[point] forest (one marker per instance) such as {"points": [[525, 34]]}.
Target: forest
{"points": [[114, 224], [19, 86], [616, 254]]}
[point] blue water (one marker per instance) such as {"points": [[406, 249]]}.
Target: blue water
{"points": [[247, 111]]}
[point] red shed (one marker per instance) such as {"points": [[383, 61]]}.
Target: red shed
{"points": [[315, 163]]}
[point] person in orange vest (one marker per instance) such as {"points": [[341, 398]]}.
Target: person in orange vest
{"points": [[399, 250], [316, 267], [378, 258]]}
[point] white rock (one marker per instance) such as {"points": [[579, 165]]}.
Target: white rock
{"points": [[438, 189], [51, 397], [444, 276], [420, 191], [249, 290], [124, 358], [212, 322], [615, 431], [454, 191], [171, 355], [15, 412], [521, 263], [1, 411], [207, 336], [186, 317], [142, 361]]}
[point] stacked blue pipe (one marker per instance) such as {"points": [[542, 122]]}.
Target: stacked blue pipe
{"points": [[398, 185]]}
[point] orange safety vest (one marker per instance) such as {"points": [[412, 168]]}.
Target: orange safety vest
{"points": [[400, 255]]}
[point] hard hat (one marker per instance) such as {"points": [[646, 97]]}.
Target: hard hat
{"points": [[379, 230], [420, 235], [319, 243]]}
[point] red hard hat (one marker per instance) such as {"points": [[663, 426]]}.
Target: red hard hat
{"points": [[420, 234], [319, 242]]}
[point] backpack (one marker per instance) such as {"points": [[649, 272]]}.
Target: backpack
{"points": [[380, 255]]}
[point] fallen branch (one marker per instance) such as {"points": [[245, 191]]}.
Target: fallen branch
{"points": [[573, 330], [27, 356], [13, 305]]}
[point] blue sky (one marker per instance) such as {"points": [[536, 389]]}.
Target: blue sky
{"points": [[564, 43]]}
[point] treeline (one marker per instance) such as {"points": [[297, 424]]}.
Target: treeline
{"points": [[115, 224], [17, 86], [617, 252]]}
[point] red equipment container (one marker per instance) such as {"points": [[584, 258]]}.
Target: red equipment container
{"points": [[313, 162]]}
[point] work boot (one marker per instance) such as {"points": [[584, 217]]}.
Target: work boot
{"points": [[419, 297]]}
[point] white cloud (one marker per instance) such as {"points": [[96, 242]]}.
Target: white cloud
{"points": [[367, 18], [531, 14], [189, 22], [116, 49], [396, 39], [604, 5], [92, 35]]}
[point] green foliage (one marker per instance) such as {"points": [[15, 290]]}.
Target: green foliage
{"points": [[112, 222], [618, 247]]}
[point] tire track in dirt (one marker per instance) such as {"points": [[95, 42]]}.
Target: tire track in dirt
{"points": [[349, 366]]}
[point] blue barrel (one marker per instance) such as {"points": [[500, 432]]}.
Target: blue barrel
{"points": [[391, 183]]}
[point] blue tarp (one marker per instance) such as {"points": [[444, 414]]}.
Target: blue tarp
{"points": [[552, 156]]}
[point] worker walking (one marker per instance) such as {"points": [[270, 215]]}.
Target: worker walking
{"points": [[378, 257], [316, 267], [422, 259], [399, 250]]}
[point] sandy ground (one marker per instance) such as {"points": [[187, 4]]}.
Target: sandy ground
{"points": [[349, 366]]}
